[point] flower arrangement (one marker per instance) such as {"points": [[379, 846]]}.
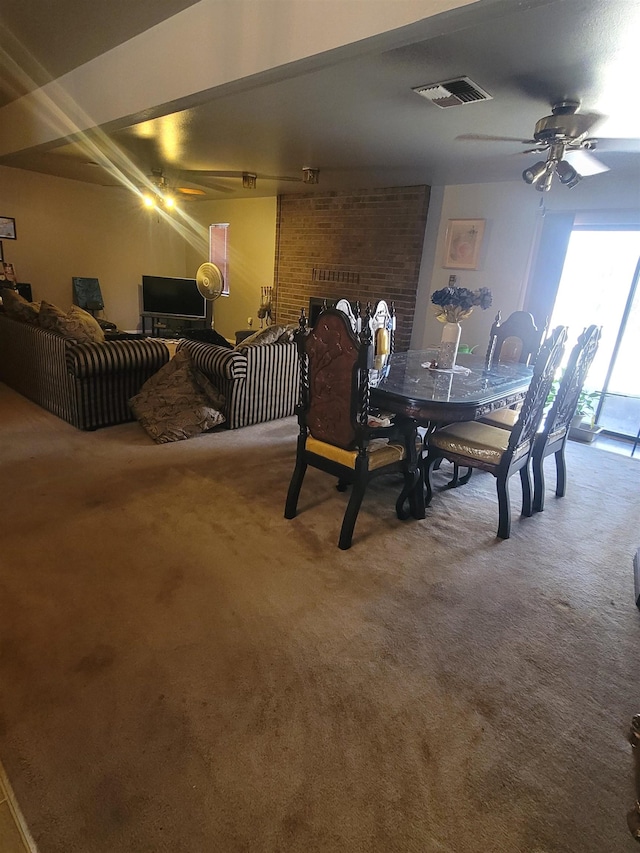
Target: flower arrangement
{"points": [[455, 303]]}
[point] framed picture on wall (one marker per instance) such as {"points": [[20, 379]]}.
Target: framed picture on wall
{"points": [[7, 228], [1, 253], [462, 244]]}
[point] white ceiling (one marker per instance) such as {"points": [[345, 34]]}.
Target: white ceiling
{"points": [[354, 116]]}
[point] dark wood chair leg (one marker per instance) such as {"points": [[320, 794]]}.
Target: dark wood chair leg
{"points": [[504, 508], [455, 480], [351, 514], [291, 506], [561, 472], [465, 477], [458, 480], [537, 461], [412, 494], [525, 480], [343, 485]]}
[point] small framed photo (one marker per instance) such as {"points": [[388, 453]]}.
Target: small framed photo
{"points": [[462, 244], [7, 228], [9, 272]]}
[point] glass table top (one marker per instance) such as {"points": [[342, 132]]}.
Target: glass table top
{"points": [[405, 377]]}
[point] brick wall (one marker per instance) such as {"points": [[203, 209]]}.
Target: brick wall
{"points": [[364, 244]]}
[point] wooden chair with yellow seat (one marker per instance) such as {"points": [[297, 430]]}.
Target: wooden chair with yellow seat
{"points": [[499, 451], [333, 416]]}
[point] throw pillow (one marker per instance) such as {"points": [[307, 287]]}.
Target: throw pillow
{"points": [[78, 325], [51, 317], [84, 326], [177, 402], [18, 307], [268, 335]]}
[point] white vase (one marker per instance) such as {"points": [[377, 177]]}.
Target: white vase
{"points": [[449, 345]]}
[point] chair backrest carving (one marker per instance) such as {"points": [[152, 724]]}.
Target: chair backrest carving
{"points": [[334, 398], [566, 400], [545, 368], [515, 340]]}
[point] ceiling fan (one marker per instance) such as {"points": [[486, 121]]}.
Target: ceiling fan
{"points": [[564, 135], [162, 192]]}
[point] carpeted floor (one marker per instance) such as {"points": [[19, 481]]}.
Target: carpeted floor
{"points": [[184, 670]]}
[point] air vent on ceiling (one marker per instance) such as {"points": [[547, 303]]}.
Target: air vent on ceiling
{"points": [[453, 93]]}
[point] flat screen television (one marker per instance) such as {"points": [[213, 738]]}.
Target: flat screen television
{"points": [[175, 297]]}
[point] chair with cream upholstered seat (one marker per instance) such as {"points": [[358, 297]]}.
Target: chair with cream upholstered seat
{"points": [[333, 415], [499, 451], [517, 339]]}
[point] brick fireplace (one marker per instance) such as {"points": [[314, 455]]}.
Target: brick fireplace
{"points": [[361, 245]]}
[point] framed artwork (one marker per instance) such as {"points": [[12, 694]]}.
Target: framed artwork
{"points": [[9, 272], [7, 228], [462, 244], [1, 253]]}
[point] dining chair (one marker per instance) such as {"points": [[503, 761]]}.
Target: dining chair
{"points": [[516, 339], [552, 438], [499, 451], [333, 417]]}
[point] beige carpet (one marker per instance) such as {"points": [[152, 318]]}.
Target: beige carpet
{"points": [[184, 670]]}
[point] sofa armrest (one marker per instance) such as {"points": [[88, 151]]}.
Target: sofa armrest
{"points": [[214, 361], [111, 357]]}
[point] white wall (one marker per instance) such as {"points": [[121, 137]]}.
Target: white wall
{"points": [[513, 219], [67, 228]]}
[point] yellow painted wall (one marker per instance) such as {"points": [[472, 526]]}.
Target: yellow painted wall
{"points": [[252, 234], [68, 228]]}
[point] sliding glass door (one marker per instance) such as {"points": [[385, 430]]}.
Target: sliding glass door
{"points": [[599, 284]]}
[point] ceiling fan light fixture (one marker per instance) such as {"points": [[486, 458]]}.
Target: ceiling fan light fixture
{"points": [[148, 200], [567, 174], [534, 173], [543, 184]]}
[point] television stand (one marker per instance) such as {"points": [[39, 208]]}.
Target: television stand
{"points": [[169, 325]]}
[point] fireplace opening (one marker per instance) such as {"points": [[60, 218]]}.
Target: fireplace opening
{"points": [[316, 304]]}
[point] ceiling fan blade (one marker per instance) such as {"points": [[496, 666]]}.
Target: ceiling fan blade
{"points": [[277, 178], [215, 173], [210, 173], [483, 137], [624, 146], [584, 163]]}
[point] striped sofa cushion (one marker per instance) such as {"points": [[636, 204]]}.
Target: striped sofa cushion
{"points": [[32, 362], [87, 385], [216, 361], [107, 375], [259, 383]]}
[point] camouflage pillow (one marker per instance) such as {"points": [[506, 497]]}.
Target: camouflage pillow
{"points": [[177, 402], [84, 326], [268, 335], [17, 307], [78, 325]]}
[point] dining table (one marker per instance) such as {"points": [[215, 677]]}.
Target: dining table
{"points": [[409, 384]]}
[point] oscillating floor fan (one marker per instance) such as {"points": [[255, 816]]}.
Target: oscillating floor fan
{"points": [[210, 283]]}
